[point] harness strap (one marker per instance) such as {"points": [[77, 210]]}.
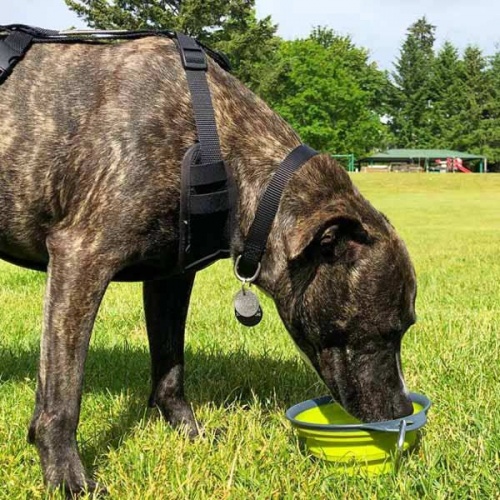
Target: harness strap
{"points": [[34, 31], [195, 63], [12, 49], [248, 263], [90, 36], [207, 194], [207, 173]]}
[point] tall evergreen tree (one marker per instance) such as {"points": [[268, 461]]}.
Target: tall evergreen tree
{"points": [[476, 106], [480, 111], [410, 115], [229, 25], [448, 93], [493, 120]]}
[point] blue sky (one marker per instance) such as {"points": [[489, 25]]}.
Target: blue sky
{"points": [[379, 25]]}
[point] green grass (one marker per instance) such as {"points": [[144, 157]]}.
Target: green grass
{"points": [[241, 381]]}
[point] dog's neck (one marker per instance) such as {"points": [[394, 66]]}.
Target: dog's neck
{"points": [[254, 141]]}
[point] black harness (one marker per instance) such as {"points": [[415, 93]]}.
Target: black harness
{"points": [[208, 194]]}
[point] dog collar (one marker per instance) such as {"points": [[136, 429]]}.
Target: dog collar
{"points": [[247, 265]]}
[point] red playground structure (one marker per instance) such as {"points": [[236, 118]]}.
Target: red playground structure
{"points": [[454, 165]]}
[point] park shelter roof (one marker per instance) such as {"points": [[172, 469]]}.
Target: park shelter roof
{"points": [[397, 155]]}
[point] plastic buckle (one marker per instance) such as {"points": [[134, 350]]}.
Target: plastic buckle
{"points": [[194, 59], [192, 55], [8, 57]]}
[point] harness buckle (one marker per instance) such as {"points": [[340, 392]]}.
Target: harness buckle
{"points": [[8, 57], [192, 55], [12, 49]]}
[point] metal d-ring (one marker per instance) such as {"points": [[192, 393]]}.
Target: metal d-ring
{"points": [[241, 278]]}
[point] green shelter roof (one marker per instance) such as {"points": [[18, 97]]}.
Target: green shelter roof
{"points": [[393, 155]]}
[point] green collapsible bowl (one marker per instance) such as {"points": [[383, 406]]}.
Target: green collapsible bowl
{"points": [[330, 433]]}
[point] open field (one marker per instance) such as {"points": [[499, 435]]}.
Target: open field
{"points": [[241, 381]]}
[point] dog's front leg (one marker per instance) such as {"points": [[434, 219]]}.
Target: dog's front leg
{"points": [[166, 304], [77, 279]]}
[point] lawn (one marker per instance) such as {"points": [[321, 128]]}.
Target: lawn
{"points": [[240, 381]]}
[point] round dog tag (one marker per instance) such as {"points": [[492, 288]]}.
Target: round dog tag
{"points": [[247, 308]]}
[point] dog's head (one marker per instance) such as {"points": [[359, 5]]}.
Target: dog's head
{"points": [[346, 291]]}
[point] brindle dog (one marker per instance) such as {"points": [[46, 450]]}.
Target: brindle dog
{"points": [[91, 143]]}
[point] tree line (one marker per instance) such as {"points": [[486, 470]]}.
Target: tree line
{"points": [[327, 88]]}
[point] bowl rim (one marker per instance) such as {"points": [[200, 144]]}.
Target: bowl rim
{"points": [[412, 422]]}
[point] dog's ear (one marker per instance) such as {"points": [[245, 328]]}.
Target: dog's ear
{"points": [[333, 235]]}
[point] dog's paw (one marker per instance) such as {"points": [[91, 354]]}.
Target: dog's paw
{"points": [[88, 487], [66, 473], [74, 487], [185, 422], [179, 414]]}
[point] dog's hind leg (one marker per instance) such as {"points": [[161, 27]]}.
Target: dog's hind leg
{"points": [[77, 279], [166, 304]]}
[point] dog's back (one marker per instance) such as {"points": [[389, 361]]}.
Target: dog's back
{"points": [[89, 130]]}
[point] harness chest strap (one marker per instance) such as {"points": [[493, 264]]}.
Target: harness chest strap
{"points": [[208, 194], [247, 264]]}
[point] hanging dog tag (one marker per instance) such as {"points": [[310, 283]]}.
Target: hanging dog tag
{"points": [[247, 308]]}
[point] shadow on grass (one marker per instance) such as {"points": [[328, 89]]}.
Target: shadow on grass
{"points": [[235, 379], [216, 377]]}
